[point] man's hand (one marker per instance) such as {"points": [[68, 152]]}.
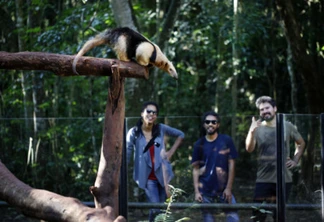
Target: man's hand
{"points": [[250, 140], [198, 197], [227, 194], [255, 124], [291, 163]]}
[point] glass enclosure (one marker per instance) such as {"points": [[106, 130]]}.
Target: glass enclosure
{"points": [[304, 198], [62, 156]]}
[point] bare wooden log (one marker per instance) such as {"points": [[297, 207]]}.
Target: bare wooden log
{"points": [[104, 191], [61, 65], [42, 204]]}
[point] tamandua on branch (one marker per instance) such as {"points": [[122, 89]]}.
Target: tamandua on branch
{"points": [[129, 44]]}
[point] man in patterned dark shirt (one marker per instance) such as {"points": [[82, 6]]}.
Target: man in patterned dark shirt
{"points": [[213, 162]]}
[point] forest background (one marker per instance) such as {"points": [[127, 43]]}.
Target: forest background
{"points": [[227, 53]]}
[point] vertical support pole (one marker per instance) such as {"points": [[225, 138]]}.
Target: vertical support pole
{"points": [[281, 185], [123, 197], [322, 159], [106, 187]]}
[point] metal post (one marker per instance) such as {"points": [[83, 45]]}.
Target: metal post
{"points": [[281, 185], [322, 157], [123, 209]]}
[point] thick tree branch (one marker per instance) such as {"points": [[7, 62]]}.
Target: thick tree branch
{"points": [[49, 206], [61, 65]]}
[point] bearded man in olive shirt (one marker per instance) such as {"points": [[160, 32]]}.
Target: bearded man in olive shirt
{"points": [[262, 134]]}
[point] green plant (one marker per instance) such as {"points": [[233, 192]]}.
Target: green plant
{"points": [[260, 211], [167, 216]]}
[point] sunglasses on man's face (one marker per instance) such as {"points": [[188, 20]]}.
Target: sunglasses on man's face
{"points": [[151, 112], [211, 121]]}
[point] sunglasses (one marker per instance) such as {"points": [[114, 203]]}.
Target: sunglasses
{"points": [[211, 121], [151, 112]]}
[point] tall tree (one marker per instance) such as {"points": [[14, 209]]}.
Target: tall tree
{"points": [[304, 57], [307, 63], [20, 8], [235, 58], [123, 13]]}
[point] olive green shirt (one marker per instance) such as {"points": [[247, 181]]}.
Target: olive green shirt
{"points": [[266, 147]]}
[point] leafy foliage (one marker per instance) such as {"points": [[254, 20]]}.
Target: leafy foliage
{"points": [[63, 143], [167, 215]]}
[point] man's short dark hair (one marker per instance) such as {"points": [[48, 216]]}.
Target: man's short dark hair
{"points": [[211, 113], [265, 99]]}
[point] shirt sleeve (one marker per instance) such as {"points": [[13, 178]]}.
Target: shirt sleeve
{"points": [[130, 143], [233, 152], [294, 132], [197, 153], [170, 131]]}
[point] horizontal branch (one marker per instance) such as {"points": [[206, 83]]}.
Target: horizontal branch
{"points": [[61, 65], [49, 206]]}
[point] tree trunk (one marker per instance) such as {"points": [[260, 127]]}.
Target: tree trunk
{"points": [[168, 23], [106, 186], [290, 67], [45, 205], [21, 47], [123, 13], [235, 63], [305, 65]]}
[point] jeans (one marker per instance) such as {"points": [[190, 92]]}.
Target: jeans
{"points": [[155, 193], [231, 215]]}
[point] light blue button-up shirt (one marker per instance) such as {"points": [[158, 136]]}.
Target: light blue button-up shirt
{"points": [[142, 161]]}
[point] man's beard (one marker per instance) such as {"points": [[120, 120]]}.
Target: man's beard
{"points": [[267, 117], [208, 132]]}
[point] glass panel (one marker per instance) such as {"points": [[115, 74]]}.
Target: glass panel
{"points": [[63, 157], [304, 199], [304, 202]]}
